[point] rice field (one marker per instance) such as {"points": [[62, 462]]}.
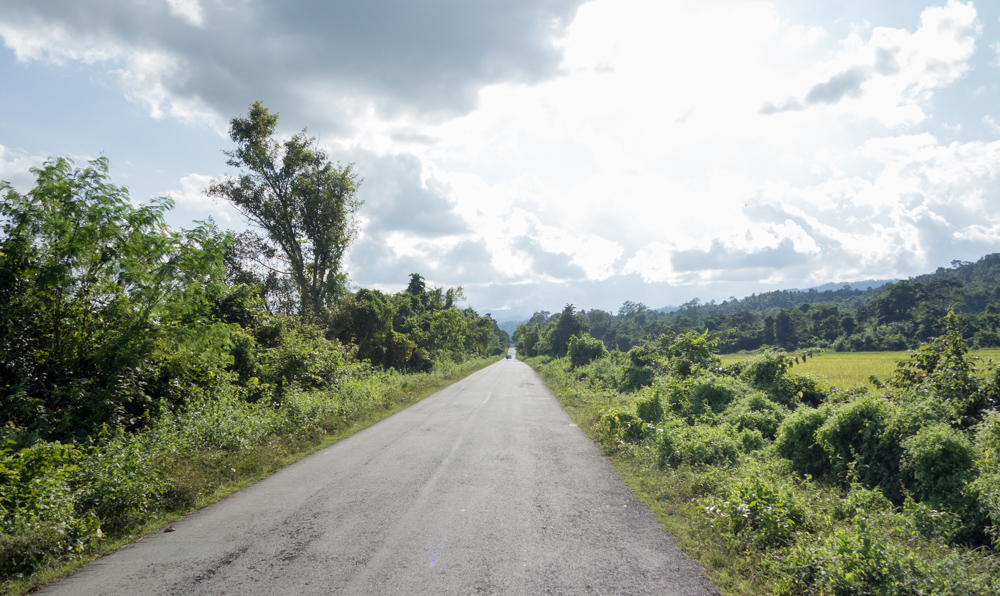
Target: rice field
{"points": [[848, 369]]}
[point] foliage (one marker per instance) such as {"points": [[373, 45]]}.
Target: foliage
{"points": [[755, 514], [38, 520], [584, 349], [856, 438], [943, 370], [87, 280], [755, 412], [550, 336], [796, 441], [650, 410], [942, 463], [700, 444], [622, 425], [708, 393], [304, 203]]}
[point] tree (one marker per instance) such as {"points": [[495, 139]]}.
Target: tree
{"points": [[569, 324], [304, 203], [87, 281]]}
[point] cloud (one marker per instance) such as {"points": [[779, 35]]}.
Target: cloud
{"points": [[885, 61], [15, 166], [195, 204], [896, 70], [790, 105], [400, 197], [328, 62], [188, 10], [555, 266], [845, 84]]}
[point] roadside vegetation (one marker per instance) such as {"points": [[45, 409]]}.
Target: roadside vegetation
{"points": [[145, 371], [780, 483]]}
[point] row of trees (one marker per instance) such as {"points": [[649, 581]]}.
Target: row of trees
{"points": [[112, 318], [895, 316]]}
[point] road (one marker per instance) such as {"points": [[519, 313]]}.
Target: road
{"points": [[486, 487]]}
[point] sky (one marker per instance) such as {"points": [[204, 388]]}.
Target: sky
{"points": [[545, 152]]}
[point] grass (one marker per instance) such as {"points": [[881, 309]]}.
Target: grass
{"points": [[849, 369], [207, 476]]}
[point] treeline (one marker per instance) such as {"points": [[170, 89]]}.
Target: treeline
{"points": [[895, 316], [136, 358]]}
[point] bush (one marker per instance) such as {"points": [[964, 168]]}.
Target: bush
{"points": [[752, 440], [37, 519], [856, 438], [698, 445], [755, 412], [120, 482], [585, 349], [853, 560], [755, 514], [763, 372], [711, 393], [637, 377], [651, 410], [941, 461], [796, 441], [608, 371], [804, 389], [622, 425], [860, 559]]}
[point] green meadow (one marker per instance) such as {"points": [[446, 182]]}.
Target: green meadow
{"points": [[848, 369]]}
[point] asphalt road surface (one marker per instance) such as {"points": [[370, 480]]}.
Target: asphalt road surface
{"points": [[486, 487]]}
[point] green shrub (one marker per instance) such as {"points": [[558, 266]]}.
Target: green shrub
{"points": [[856, 438], [38, 522], [804, 389], [796, 441], [854, 560], [651, 409], [755, 412], [941, 461], [763, 372], [987, 441], [585, 349], [637, 377], [752, 440], [862, 501], [698, 445], [622, 425], [711, 393], [861, 559], [755, 514], [120, 481]]}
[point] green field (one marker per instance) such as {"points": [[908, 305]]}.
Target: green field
{"points": [[847, 369]]}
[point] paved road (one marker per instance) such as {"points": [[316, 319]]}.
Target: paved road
{"points": [[486, 487]]}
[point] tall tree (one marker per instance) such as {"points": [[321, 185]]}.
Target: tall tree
{"points": [[304, 203]]}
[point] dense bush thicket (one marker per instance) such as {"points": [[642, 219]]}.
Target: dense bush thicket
{"points": [[130, 352], [889, 490]]}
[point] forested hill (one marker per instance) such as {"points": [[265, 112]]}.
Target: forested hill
{"points": [[893, 316]]}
